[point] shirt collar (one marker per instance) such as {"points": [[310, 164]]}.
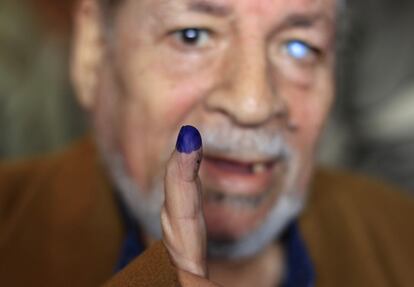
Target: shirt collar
{"points": [[299, 267], [133, 245]]}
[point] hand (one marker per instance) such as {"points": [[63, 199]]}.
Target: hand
{"points": [[182, 219]]}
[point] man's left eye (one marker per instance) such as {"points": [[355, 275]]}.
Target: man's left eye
{"points": [[299, 50]]}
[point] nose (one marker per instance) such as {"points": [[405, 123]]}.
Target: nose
{"points": [[247, 92]]}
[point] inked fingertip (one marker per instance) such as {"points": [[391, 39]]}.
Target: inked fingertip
{"points": [[189, 140]]}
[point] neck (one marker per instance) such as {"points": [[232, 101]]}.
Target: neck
{"points": [[264, 269]]}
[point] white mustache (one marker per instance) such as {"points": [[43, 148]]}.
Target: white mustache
{"points": [[245, 142]]}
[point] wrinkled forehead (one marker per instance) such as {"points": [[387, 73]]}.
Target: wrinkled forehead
{"points": [[227, 7], [266, 12]]}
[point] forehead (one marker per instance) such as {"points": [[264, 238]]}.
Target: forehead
{"points": [[265, 13], [227, 7]]}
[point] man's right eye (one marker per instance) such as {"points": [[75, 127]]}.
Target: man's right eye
{"points": [[192, 37]]}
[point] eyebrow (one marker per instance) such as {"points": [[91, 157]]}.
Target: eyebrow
{"points": [[300, 20], [209, 7]]}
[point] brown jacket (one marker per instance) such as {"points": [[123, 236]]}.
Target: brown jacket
{"points": [[60, 226]]}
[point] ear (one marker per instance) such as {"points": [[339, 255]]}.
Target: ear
{"points": [[87, 51]]}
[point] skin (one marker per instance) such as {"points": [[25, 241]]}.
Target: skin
{"points": [[141, 83]]}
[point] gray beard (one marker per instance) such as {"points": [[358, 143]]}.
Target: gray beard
{"points": [[146, 209], [283, 212]]}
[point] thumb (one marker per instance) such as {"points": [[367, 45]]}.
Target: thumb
{"points": [[184, 232]]}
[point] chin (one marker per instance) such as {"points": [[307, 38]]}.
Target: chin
{"points": [[231, 218], [237, 232]]}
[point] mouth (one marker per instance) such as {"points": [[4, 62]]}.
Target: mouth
{"points": [[239, 189], [252, 177], [253, 167]]}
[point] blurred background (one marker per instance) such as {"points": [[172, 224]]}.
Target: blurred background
{"points": [[371, 128]]}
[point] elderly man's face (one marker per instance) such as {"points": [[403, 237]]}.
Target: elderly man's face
{"points": [[255, 76]]}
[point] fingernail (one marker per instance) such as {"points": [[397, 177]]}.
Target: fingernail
{"points": [[189, 140]]}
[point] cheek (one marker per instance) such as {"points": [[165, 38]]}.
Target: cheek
{"points": [[170, 89], [181, 100], [156, 101], [308, 110], [310, 116], [186, 84]]}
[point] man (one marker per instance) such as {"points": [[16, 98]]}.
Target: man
{"points": [[256, 79]]}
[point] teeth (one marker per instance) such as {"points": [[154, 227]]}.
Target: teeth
{"points": [[258, 168]]}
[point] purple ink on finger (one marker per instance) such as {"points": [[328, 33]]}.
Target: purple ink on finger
{"points": [[189, 140]]}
